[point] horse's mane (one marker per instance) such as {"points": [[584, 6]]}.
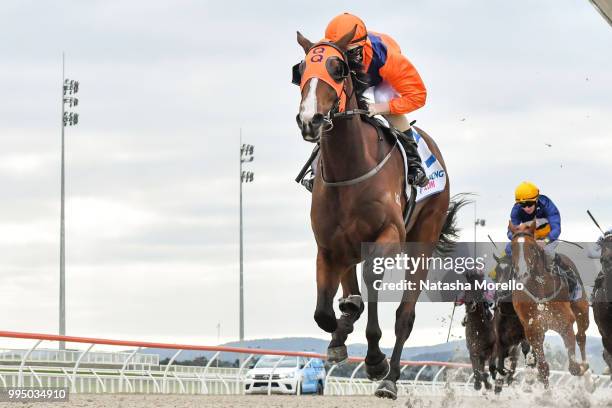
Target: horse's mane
{"points": [[361, 82]]}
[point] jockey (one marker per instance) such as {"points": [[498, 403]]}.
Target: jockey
{"points": [[594, 252], [529, 206], [398, 87]]}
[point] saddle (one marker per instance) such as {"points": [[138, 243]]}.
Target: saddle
{"points": [[568, 273], [385, 131]]}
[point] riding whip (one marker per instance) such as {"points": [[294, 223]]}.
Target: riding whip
{"points": [[493, 242], [450, 326], [572, 243], [593, 218]]}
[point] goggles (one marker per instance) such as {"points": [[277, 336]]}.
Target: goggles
{"points": [[526, 204]]}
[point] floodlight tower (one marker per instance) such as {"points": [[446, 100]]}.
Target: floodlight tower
{"points": [[247, 154], [70, 88]]}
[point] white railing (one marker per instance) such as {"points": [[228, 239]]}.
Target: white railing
{"points": [[54, 356], [426, 377]]}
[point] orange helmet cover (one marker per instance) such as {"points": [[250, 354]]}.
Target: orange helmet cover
{"points": [[316, 67], [344, 23]]}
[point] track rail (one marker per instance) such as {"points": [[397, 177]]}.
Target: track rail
{"points": [[431, 377]]}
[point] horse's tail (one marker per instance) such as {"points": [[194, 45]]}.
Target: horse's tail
{"points": [[450, 231]]}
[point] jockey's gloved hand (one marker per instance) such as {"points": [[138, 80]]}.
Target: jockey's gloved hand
{"points": [[543, 242], [378, 108]]}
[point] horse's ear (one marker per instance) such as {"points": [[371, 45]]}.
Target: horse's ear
{"points": [[496, 258], [304, 42], [532, 228], [343, 42]]}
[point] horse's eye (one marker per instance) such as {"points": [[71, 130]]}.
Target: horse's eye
{"points": [[296, 73], [336, 68]]}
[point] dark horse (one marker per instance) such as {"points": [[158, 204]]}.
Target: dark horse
{"points": [[509, 333], [359, 197], [602, 299], [544, 303], [479, 332]]}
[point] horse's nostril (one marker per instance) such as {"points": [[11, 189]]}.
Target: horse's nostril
{"points": [[317, 120], [298, 120]]}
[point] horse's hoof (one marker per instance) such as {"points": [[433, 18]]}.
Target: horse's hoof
{"points": [[575, 369], [337, 355], [487, 385], [530, 359], [498, 389], [387, 389], [377, 372], [477, 385]]}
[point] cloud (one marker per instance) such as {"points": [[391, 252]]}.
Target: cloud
{"points": [[152, 171]]}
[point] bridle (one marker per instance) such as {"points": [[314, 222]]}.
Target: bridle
{"points": [[540, 254], [334, 112], [337, 112]]}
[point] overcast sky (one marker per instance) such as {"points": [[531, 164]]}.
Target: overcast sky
{"points": [[152, 171]]}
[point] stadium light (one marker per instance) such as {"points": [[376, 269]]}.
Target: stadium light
{"points": [[247, 155], [70, 88]]}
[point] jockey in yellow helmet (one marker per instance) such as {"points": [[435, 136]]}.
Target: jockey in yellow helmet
{"points": [[397, 86], [530, 206]]}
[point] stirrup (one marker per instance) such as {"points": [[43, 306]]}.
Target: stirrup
{"points": [[416, 175], [308, 180]]}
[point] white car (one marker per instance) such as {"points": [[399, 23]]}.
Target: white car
{"points": [[289, 374]]}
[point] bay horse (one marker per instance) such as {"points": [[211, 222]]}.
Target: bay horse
{"points": [[479, 331], [544, 302], [509, 332], [602, 299], [358, 196]]}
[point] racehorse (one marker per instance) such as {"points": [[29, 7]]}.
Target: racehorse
{"points": [[358, 196], [509, 333], [602, 299], [479, 332], [544, 304]]}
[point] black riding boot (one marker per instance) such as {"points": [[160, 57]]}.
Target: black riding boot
{"points": [[416, 172]]}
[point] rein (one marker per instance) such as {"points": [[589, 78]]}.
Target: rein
{"points": [[361, 178], [335, 114]]}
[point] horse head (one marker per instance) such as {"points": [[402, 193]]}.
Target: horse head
{"points": [[503, 268], [605, 243], [322, 77], [527, 257]]}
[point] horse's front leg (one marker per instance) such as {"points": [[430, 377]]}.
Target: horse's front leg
{"points": [[500, 356], [535, 335], [376, 364], [328, 280], [351, 306], [404, 321]]}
